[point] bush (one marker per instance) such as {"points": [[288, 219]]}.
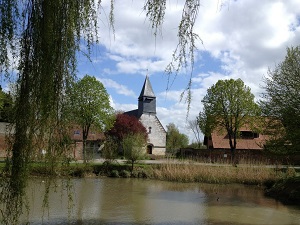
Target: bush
{"points": [[140, 174], [114, 173], [125, 174]]}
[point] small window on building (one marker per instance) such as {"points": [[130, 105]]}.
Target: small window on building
{"points": [[248, 135], [149, 130], [77, 132]]}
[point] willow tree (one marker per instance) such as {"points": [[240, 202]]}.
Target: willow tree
{"points": [[228, 105], [50, 33], [41, 38]]}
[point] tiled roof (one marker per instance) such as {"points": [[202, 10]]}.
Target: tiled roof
{"points": [[221, 141]]}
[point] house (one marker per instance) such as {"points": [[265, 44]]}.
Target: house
{"points": [[146, 113], [94, 142], [250, 145], [247, 140]]}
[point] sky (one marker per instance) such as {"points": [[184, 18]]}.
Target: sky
{"points": [[240, 39]]}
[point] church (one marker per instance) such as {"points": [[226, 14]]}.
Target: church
{"points": [[146, 113]]}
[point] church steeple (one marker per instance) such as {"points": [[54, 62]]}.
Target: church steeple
{"points": [[147, 99]]}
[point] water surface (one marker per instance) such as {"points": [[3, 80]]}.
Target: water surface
{"points": [[136, 201]]}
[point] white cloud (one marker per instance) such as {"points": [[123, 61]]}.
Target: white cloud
{"points": [[120, 89], [124, 107]]}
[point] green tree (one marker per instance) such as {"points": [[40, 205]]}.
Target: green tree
{"points": [[175, 139], [110, 149], [89, 107], [134, 146], [228, 105], [281, 103]]}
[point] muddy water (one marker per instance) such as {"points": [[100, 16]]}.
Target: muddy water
{"points": [[135, 201]]}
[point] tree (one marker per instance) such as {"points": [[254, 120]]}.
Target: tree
{"points": [[90, 107], [281, 103], [196, 145], [228, 105], [110, 149], [134, 147], [44, 36], [175, 139], [194, 126], [125, 125]]}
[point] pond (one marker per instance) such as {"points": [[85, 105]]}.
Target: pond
{"points": [[136, 201]]}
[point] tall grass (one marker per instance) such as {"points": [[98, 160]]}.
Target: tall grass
{"points": [[193, 172]]}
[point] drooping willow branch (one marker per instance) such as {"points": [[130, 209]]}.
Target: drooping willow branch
{"points": [[50, 34], [184, 54]]}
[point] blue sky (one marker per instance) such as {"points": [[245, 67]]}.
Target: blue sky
{"points": [[241, 39]]}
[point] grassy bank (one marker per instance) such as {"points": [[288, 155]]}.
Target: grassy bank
{"points": [[170, 171]]}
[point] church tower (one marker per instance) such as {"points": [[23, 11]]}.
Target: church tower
{"points": [[146, 113], [147, 99]]}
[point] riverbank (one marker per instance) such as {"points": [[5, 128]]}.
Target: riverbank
{"points": [[270, 177], [286, 190]]}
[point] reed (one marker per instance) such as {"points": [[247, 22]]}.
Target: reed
{"points": [[221, 174]]}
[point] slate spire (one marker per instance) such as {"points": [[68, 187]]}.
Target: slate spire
{"points": [[147, 99], [147, 90]]}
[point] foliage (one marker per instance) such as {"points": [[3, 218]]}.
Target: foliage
{"points": [[125, 174], [175, 139], [89, 107], [110, 149], [228, 105], [286, 190], [196, 145], [134, 147], [194, 126], [45, 35], [125, 125], [281, 103], [6, 106]]}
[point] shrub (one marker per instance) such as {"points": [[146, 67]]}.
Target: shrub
{"points": [[125, 174], [114, 173]]}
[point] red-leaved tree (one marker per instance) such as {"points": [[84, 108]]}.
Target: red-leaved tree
{"points": [[125, 125]]}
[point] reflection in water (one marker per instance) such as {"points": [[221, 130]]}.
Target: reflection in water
{"points": [[134, 201]]}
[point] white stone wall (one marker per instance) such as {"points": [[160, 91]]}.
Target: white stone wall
{"points": [[157, 136]]}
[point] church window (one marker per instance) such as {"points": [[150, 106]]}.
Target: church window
{"points": [[149, 130]]}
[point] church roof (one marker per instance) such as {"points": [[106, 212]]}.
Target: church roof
{"points": [[147, 90]]}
